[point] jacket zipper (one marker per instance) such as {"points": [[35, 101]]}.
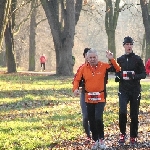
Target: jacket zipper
{"points": [[127, 63]]}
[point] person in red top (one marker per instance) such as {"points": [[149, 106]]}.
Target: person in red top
{"points": [[42, 61], [147, 67], [93, 73]]}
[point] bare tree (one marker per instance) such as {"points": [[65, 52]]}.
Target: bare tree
{"points": [[11, 65], [5, 30], [9, 39], [32, 43], [62, 17]]}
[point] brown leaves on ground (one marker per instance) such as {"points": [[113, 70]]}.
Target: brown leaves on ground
{"points": [[111, 137], [110, 141]]}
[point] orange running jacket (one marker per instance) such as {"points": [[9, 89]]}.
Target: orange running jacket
{"points": [[94, 78]]}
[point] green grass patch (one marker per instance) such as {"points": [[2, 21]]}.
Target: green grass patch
{"points": [[37, 110]]}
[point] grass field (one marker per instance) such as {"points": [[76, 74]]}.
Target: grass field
{"points": [[38, 111]]}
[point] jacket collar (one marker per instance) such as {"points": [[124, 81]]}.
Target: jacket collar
{"points": [[130, 55]]}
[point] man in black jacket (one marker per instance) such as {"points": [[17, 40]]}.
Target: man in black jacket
{"points": [[132, 71]]}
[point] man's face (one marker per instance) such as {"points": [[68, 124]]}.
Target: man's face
{"points": [[92, 59], [128, 48]]}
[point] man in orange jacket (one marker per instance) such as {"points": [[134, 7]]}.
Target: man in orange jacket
{"points": [[93, 73]]}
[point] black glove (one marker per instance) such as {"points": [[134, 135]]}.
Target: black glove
{"points": [[118, 76], [130, 75]]}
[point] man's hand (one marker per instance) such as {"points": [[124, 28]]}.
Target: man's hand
{"points": [[76, 92], [109, 55]]}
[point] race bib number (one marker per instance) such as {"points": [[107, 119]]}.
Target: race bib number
{"points": [[125, 77], [94, 97]]}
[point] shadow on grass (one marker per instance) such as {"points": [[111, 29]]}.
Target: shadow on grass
{"points": [[16, 77], [31, 104], [23, 93]]}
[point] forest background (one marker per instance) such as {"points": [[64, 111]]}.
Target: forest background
{"points": [[99, 24]]}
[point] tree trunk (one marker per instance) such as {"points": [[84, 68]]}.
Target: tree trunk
{"points": [[2, 59], [61, 18], [4, 11], [111, 42], [143, 47], [111, 19], [11, 65], [9, 39], [65, 63], [32, 43], [146, 22]]}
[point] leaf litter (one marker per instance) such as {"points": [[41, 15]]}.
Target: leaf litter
{"points": [[112, 136]]}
